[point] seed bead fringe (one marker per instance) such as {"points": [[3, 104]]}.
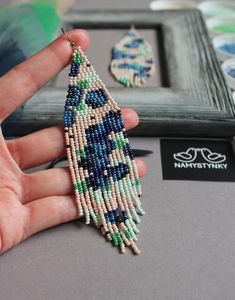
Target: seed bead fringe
{"points": [[102, 166]]}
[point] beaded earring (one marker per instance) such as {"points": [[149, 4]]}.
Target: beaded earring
{"points": [[132, 60], [102, 166]]}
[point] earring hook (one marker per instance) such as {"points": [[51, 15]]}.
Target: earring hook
{"points": [[132, 26], [71, 42]]}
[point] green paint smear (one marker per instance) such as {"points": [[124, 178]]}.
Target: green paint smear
{"points": [[23, 27], [224, 28], [47, 14]]}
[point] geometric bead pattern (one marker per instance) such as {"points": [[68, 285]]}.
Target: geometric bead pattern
{"points": [[102, 166], [132, 60]]}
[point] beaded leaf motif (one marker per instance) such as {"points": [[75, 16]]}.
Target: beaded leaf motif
{"points": [[101, 162], [132, 60]]}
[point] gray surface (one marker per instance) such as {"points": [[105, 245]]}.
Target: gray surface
{"points": [[187, 242]]}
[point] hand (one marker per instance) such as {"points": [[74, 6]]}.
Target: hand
{"points": [[30, 203]]}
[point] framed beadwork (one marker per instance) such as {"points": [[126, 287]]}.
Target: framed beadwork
{"points": [[192, 99], [132, 61]]}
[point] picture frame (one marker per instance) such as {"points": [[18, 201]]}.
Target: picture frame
{"points": [[194, 99]]}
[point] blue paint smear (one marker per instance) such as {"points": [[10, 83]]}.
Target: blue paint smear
{"points": [[229, 48], [231, 72]]}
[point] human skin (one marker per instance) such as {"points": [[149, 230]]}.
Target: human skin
{"points": [[33, 202]]}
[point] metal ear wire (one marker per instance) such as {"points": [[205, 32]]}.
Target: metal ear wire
{"points": [[133, 27], [72, 43]]}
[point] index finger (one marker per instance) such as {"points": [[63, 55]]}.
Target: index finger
{"points": [[20, 83]]}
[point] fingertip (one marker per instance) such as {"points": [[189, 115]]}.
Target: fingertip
{"points": [[80, 37], [130, 118], [141, 166]]}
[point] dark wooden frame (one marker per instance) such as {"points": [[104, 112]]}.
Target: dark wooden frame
{"points": [[196, 100]]}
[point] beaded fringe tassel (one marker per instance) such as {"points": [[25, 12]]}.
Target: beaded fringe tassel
{"points": [[101, 162], [132, 60]]}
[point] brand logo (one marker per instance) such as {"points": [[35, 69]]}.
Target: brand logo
{"points": [[200, 158]]}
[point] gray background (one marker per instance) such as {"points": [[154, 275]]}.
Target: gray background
{"points": [[187, 240]]}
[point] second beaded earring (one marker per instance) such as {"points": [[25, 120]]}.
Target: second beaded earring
{"points": [[132, 60]]}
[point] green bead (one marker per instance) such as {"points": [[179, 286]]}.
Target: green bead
{"points": [[114, 239], [108, 188], [91, 77], [83, 84], [124, 80], [84, 186], [81, 107], [119, 237], [81, 187], [128, 234], [135, 182], [78, 58], [78, 186], [130, 230], [81, 153]]}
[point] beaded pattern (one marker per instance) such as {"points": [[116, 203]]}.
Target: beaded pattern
{"points": [[132, 60], [101, 162]]}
